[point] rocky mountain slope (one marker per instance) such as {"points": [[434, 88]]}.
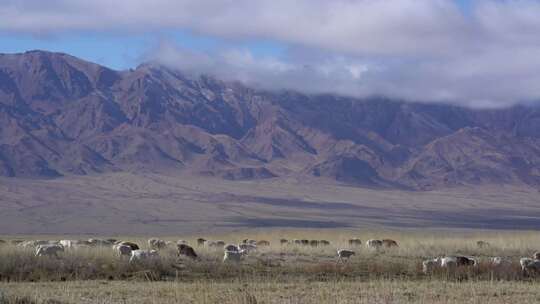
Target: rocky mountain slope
{"points": [[60, 115]]}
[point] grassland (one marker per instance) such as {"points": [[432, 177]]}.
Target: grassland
{"points": [[280, 274]]}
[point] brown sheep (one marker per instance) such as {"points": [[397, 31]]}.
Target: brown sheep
{"points": [[388, 243], [200, 242], [283, 242], [186, 250]]}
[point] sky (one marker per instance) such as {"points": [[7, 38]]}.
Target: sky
{"points": [[483, 53]]}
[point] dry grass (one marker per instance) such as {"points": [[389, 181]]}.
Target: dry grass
{"points": [[279, 274]]}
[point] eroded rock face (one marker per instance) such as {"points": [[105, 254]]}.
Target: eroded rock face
{"points": [[60, 115]]}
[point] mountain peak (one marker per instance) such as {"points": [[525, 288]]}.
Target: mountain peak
{"points": [[60, 115]]}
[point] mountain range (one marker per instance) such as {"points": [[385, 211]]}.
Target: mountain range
{"points": [[63, 116]]}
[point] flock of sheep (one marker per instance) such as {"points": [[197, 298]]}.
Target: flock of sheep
{"points": [[236, 252]]}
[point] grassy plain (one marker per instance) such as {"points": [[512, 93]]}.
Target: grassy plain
{"points": [[280, 274]]}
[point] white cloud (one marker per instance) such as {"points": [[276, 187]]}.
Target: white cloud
{"points": [[410, 49]]}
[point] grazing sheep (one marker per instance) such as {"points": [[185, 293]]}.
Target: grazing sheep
{"points": [[49, 250], [34, 244], [429, 265], [344, 254], [220, 244], [304, 242], [314, 243], [231, 247], [133, 246], [297, 242], [68, 244], [157, 244], [233, 256], [122, 250], [201, 242], [530, 266], [454, 261], [499, 262], [283, 241], [247, 247], [482, 244], [374, 244], [249, 241], [524, 263], [355, 242], [263, 243], [186, 250], [388, 243], [140, 255], [324, 243], [466, 261]]}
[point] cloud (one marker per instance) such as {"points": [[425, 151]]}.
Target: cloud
{"points": [[432, 50]]}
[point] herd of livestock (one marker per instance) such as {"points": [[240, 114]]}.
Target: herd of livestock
{"points": [[236, 252]]}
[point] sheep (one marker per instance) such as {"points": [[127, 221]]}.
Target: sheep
{"points": [[69, 244], [344, 253], [388, 243], [186, 250], [34, 244], [157, 244], [49, 250], [249, 241], [133, 246], [231, 247], [304, 242], [324, 243], [529, 265], [454, 261], [429, 265], [374, 244], [247, 247], [314, 243], [122, 250], [233, 256], [140, 255], [536, 255], [283, 241], [201, 242], [499, 262]]}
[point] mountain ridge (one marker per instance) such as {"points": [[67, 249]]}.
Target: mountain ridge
{"points": [[60, 115]]}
